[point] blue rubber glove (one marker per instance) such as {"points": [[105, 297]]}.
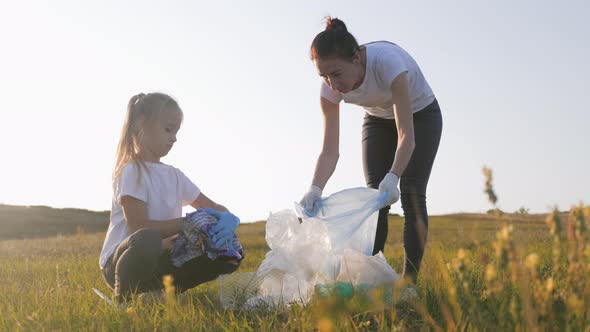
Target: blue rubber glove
{"points": [[224, 230]]}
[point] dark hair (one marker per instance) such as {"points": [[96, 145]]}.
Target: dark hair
{"points": [[335, 41]]}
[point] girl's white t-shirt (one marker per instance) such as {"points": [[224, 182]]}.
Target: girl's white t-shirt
{"points": [[164, 189], [385, 61]]}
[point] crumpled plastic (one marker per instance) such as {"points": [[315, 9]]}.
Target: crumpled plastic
{"points": [[195, 240]]}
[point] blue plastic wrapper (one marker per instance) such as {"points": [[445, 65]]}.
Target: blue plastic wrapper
{"points": [[195, 240]]}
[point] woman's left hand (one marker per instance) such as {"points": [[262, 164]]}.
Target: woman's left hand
{"points": [[389, 186]]}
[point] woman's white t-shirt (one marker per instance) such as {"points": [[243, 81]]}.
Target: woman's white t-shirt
{"points": [[163, 188], [385, 61]]}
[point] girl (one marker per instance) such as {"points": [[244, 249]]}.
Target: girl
{"points": [[148, 196], [401, 129]]}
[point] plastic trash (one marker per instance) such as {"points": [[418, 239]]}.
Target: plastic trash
{"points": [[330, 253], [237, 288], [366, 270]]}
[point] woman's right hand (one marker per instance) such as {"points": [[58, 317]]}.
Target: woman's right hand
{"points": [[311, 200]]}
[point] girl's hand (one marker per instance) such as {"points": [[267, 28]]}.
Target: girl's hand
{"points": [[225, 228], [168, 243]]}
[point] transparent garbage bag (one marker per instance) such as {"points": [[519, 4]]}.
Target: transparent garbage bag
{"points": [[360, 269], [336, 245]]}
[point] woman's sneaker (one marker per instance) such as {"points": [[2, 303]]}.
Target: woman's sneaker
{"points": [[409, 294]]}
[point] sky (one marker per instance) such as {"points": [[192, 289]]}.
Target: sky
{"points": [[510, 76]]}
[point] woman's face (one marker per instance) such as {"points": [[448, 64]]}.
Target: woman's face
{"points": [[339, 74]]}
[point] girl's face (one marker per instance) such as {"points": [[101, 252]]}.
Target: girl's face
{"points": [[339, 74], [160, 136]]}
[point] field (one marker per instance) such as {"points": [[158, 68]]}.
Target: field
{"points": [[480, 272]]}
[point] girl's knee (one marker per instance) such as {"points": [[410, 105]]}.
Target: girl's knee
{"points": [[146, 235], [148, 241]]}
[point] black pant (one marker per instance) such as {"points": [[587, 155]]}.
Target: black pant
{"points": [[139, 263], [379, 147]]}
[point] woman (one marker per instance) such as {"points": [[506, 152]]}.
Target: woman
{"points": [[401, 129]]}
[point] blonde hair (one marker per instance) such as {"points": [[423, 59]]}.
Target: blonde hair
{"points": [[142, 110]]}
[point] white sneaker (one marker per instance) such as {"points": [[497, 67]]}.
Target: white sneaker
{"points": [[118, 306]]}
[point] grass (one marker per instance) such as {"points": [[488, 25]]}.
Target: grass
{"points": [[476, 275]]}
